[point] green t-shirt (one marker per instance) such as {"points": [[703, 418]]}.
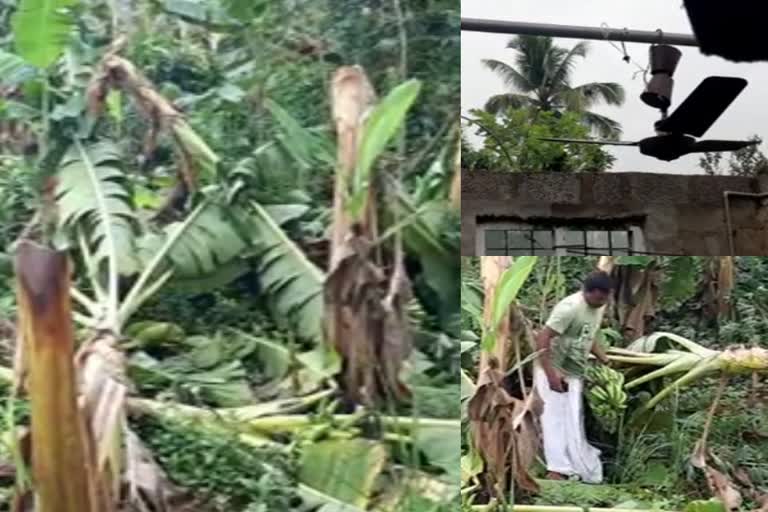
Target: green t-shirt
{"points": [[576, 323]]}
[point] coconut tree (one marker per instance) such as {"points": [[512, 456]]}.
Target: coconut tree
{"points": [[541, 79]]}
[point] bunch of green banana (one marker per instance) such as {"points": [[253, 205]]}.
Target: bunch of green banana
{"points": [[605, 395]]}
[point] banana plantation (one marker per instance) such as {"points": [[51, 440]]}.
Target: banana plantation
{"points": [[678, 410], [228, 235]]}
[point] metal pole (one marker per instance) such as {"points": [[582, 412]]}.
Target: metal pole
{"points": [[577, 32]]}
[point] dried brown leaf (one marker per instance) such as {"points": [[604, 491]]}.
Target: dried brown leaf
{"points": [[368, 332], [503, 431]]}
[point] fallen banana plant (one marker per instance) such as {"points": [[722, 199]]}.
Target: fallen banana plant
{"points": [[693, 362], [279, 417]]}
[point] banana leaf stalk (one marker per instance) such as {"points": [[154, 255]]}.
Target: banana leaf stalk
{"points": [[694, 362], [242, 418]]}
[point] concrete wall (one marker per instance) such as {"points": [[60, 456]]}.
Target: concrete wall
{"points": [[679, 214]]}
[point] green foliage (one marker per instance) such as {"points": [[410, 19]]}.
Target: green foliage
{"points": [[430, 235], [748, 321], [436, 402], [382, 124], [200, 244], [231, 474], [506, 292], [681, 277], [42, 29], [738, 436], [14, 70], [227, 65], [307, 148], [516, 147], [439, 446], [94, 201], [292, 282], [369, 34], [474, 159], [648, 460], [509, 285], [198, 11], [710, 505], [17, 200], [237, 305], [589, 495], [748, 318], [550, 283], [345, 470], [205, 370]]}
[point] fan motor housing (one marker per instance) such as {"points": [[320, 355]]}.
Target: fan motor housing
{"points": [[666, 147]]}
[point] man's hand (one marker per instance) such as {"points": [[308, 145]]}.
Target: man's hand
{"points": [[600, 354], [557, 381]]}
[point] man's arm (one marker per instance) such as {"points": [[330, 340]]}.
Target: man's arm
{"points": [[600, 354], [544, 344]]}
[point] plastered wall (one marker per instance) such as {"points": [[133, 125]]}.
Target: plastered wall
{"points": [[679, 214]]}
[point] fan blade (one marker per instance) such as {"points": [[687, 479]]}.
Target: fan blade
{"points": [[703, 106], [589, 141], [720, 145]]}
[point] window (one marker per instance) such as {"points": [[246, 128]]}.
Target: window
{"points": [[524, 239]]}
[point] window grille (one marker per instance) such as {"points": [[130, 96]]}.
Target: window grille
{"points": [[520, 240]]}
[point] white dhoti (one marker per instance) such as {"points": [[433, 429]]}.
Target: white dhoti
{"points": [[566, 449]]}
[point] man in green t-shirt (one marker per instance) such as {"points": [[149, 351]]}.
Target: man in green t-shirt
{"points": [[566, 341]]}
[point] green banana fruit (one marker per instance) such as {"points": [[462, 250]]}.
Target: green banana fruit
{"points": [[605, 395], [150, 333]]}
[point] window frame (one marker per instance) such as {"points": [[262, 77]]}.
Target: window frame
{"points": [[636, 242]]}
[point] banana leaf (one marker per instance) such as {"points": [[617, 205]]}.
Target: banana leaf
{"points": [[293, 284], [345, 470], [94, 200], [42, 29]]}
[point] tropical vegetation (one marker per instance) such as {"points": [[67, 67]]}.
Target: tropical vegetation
{"points": [[199, 198], [541, 78], [687, 335], [541, 101], [511, 142]]}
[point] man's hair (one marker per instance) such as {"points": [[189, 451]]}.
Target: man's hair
{"points": [[598, 281]]}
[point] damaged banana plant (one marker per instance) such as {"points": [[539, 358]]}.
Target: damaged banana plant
{"points": [[62, 451], [366, 288], [503, 427], [121, 261], [693, 362]]}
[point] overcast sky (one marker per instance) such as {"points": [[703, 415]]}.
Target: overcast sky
{"points": [[747, 115]]}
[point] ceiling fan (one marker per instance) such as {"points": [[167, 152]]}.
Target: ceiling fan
{"points": [[676, 132]]}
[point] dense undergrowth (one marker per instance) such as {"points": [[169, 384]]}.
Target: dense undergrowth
{"points": [[239, 325]]}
